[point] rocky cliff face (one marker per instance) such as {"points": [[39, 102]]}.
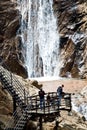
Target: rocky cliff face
{"points": [[10, 43], [72, 25]]}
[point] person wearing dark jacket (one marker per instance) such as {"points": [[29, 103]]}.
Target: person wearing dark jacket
{"points": [[60, 93], [41, 95]]}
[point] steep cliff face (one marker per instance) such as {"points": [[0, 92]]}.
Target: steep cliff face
{"points": [[10, 43], [72, 27], [72, 24]]}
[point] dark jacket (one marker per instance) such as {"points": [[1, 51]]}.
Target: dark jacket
{"points": [[41, 94]]}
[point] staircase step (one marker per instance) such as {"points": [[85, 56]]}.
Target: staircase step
{"points": [[7, 84], [18, 100], [9, 129], [1, 75], [4, 76], [21, 125], [15, 90], [18, 128], [4, 80], [8, 87], [15, 95], [22, 121], [23, 105]]}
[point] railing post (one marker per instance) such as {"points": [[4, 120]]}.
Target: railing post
{"points": [[56, 125], [70, 102], [14, 104], [49, 103], [54, 98], [44, 105], [11, 78], [36, 104], [24, 97], [40, 121], [27, 98]]}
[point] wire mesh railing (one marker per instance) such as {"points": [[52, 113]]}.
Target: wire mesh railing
{"points": [[52, 105], [14, 119]]}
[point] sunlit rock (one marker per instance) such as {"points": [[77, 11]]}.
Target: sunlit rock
{"points": [[72, 23], [10, 48]]}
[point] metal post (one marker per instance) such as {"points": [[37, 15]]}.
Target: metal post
{"points": [[44, 106], [69, 112], [58, 110], [36, 104], [24, 97], [57, 125], [27, 98], [70, 103], [40, 121], [14, 104], [11, 78]]}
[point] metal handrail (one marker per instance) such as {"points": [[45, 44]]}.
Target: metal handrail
{"points": [[35, 99], [35, 104], [11, 79], [4, 65], [14, 119]]}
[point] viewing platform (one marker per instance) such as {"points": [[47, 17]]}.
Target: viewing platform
{"points": [[51, 107]]}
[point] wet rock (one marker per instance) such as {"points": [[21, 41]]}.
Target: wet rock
{"points": [[10, 51], [31, 126], [12, 28], [72, 23]]}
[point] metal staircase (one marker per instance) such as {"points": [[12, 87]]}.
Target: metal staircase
{"points": [[12, 85], [18, 120], [22, 121], [17, 91], [28, 105]]}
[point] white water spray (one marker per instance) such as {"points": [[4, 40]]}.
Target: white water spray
{"points": [[42, 43]]}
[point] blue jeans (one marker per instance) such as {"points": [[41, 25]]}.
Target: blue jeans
{"points": [[59, 99], [41, 103]]}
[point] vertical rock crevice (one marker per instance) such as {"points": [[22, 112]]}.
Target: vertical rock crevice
{"points": [[72, 24], [10, 51]]}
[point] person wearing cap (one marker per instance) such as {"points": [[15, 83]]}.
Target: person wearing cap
{"points": [[60, 93]]}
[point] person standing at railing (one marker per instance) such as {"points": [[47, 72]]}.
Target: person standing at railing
{"points": [[60, 93], [41, 95]]}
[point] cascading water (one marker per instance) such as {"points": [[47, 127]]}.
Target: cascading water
{"points": [[42, 43]]}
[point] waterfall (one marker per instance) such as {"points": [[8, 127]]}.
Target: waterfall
{"points": [[40, 36]]}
